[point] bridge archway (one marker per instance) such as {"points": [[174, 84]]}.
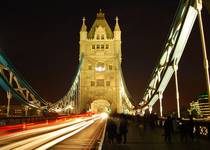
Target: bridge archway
{"points": [[100, 105]]}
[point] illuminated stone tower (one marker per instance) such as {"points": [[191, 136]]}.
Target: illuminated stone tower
{"points": [[100, 48]]}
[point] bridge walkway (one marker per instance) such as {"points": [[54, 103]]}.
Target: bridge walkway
{"points": [[153, 139]]}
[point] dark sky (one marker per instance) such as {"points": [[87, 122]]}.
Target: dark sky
{"points": [[42, 41]]}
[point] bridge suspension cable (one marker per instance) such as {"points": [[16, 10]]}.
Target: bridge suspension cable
{"points": [[70, 101], [172, 52], [127, 100], [15, 85]]}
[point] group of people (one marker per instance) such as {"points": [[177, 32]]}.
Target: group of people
{"points": [[115, 132], [185, 128], [117, 128]]}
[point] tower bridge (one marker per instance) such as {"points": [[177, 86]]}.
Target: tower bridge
{"points": [[98, 84]]}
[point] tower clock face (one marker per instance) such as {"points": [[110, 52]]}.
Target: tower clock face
{"points": [[100, 67]]}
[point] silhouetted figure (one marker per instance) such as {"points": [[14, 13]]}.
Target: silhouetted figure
{"points": [[145, 121], [111, 130], [123, 129], [152, 121], [191, 128], [183, 131], [168, 128]]}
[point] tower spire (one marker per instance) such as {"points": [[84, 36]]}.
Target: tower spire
{"points": [[100, 14], [84, 27], [117, 27]]}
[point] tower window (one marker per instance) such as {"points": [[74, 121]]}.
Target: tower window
{"points": [[100, 82], [102, 36], [97, 37], [98, 46], [110, 67], [92, 83], [89, 67], [107, 83], [102, 46], [93, 46], [107, 46]]}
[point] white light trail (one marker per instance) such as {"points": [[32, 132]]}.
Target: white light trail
{"points": [[36, 141]]}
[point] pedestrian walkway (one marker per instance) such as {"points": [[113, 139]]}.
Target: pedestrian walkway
{"points": [[153, 139]]}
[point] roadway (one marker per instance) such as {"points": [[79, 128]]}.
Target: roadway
{"points": [[88, 139], [48, 136]]}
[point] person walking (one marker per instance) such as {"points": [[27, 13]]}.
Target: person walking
{"points": [[191, 128], [168, 129], [111, 130], [123, 128]]}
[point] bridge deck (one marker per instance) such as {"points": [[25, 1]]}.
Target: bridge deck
{"points": [[153, 139]]}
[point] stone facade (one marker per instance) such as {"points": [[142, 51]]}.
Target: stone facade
{"points": [[100, 50]]}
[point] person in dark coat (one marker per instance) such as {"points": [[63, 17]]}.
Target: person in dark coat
{"points": [[123, 129], [191, 128], [111, 130], [183, 131], [168, 129]]}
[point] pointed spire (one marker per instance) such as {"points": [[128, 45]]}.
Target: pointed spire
{"points": [[100, 15], [84, 27], [117, 27]]}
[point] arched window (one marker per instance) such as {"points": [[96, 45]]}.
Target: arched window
{"points": [[102, 36], [100, 67], [97, 37]]}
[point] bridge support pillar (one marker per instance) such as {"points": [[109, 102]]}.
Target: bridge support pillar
{"points": [[150, 109], [205, 59], [160, 96], [9, 96], [175, 67], [26, 111]]}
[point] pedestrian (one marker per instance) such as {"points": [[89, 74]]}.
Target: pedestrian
{"points": [[183, 131], [111, 130], [191, 128], [123, 128], [168, 129]]}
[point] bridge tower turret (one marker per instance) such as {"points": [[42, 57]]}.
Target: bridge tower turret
{"points": [[100, 70], [83, 37]]}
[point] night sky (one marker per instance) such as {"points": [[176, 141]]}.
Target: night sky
{"points": [[42, 41]]}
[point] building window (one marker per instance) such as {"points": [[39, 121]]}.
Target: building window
{"points": [[93, 46], [107, 83], [98, 46], [102, 46], [102, 36], [110, 67], [97, 37], [92, 83], [89, 67], [100, 82], [107, 46]]}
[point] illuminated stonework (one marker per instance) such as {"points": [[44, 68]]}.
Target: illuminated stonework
{"points": [[100, 48]]}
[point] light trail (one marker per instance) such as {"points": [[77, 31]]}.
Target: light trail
{"points": [[52, 143], [16, 135], [68, 129]]}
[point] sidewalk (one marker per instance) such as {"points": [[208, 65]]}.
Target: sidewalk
{"points": [[153, 139]]}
